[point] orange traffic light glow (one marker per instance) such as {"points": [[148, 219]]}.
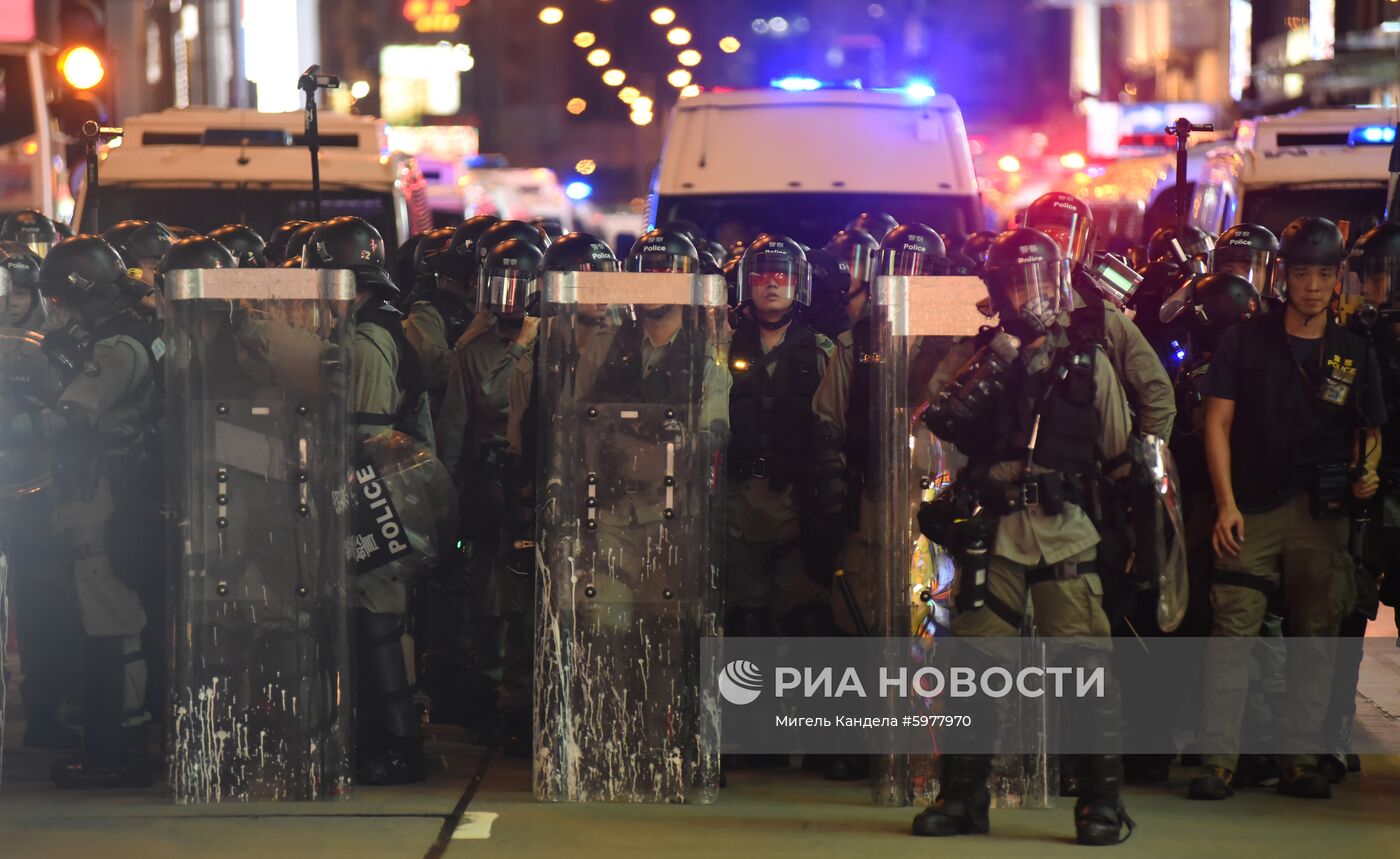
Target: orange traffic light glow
{"points": [[81, 67]]}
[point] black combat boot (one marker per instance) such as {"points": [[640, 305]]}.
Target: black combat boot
{"points": [[1099, 813], [399, 756], [963, 801], [109, 756]]}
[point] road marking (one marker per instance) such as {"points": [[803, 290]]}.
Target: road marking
{"points": [[475, 826]]}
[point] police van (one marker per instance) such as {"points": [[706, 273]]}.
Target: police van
{"points": [[202, 167], [803, 160], [1328, 162]]}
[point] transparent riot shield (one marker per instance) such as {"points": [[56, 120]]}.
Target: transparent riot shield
{"points": [[634, 411], [921, 323], [256, 376]]}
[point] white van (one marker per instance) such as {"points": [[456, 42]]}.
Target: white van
{"points": [[804, 163], [203, 167], [1330, 162]]}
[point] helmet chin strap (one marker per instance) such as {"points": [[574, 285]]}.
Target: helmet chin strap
{"points": [[778, 323]]}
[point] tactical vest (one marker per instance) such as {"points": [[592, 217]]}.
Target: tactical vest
{"points": [[856, 445], [1069, 423], [770, 414], [410, 379], [1283, 428], [1089, 322], [674, 379], [146, 332]]}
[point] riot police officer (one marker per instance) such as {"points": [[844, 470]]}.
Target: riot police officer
{"points": [[32, 229], [295, 254], [34, 368], [438, 313], [108, 413], [776, 362], [977, 245], [877, 224], [860, 251], [1098, 315], [1292, 432], [388, 393], [1250, 251], [247, 247], [472, 427], [1060, 420]]}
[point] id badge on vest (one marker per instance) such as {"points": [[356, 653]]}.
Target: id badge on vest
{"points": [[1341, 374]]}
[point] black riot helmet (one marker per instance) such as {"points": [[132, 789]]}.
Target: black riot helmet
{"points": [[1028, 282], [913, 250], [579, 252], [975, 248], [296, 245], [663, 250], [826, 313], [1250, 251], [552, 228], [198, 252], [180, 232], [247, 247], [32, 229], [135, 241], [22, 305], [510, 277], [276, 250], [1066, 219], [1221, 300], [1194, 241], [877, 224], [87, 276], [1311, 241], [504, 231], [458, 259], [405, 260], [692, 231], [859, 249], [1372, 279], [428, 244], [775, 262], [344, 242]]}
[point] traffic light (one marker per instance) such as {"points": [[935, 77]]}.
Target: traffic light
{"points": [[82, 64]]}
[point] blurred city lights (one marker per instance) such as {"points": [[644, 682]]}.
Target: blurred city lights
{"points": [[578, 190], [641, 118], [689, 57], [359, 89], [688, 92], [585, 39], [551, 14], [678, 36], [661, 16], [679, 78], [576, 106], [759, 26], [629, 94], [875, 10], [778, 25], [1072, 161], [1009, 164], [599, 57], [729, 44], [642, 105], [614, 77], [585, 167]]}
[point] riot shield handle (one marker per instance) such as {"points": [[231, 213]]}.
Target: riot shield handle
{"points": [[1181, 130], [310, 81]]}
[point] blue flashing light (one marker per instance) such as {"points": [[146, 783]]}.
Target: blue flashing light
{"points": [[1372, 135], [919, 89], [578, 190], [1178, 352], [797, 84]]}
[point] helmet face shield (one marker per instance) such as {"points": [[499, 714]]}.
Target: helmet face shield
{"points": [[507, 292], [1369, 284], [653, 262], [1037, 289], [1254, 265], [38, 246], [861, 260], [911, 263], [774, 279], [1070, 230]]}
